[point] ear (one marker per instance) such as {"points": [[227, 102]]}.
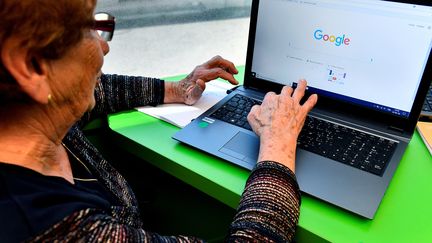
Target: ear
{"points": [[30, 72]]}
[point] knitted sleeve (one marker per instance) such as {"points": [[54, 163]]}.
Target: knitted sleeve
{"points": [[270, 206], [118, 92], [93, 225]]}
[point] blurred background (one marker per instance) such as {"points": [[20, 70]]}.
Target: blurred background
{"points": [[161, 38]]}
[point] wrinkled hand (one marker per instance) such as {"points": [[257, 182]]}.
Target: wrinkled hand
{"points": [[278, 122], [190, 89]]}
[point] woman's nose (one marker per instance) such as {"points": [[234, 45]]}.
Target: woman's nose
{"points": [[105, 46]]}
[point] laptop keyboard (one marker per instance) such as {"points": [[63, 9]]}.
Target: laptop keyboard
{"points": [[352, 147], [235, 111], [427, 105]]}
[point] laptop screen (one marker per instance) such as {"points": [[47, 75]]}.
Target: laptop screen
{"points": [[368, 52]]}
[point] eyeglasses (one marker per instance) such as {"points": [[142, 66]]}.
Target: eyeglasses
{"points": [[104, 25]]}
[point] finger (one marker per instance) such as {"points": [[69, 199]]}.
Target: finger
{"points": [[287, 91], [214, 60], [253, 113], [196, 92], [193, 95], [300, 90], [268, 97], [228, 66], [285, 99], [252, 119], [269, 103], [215, 73], [218, 61], [201, 84], [310, 103]]}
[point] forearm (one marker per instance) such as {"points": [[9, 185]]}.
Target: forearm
{"points": [[118, 92], [282, 150], [270, 206], [172, 93]]}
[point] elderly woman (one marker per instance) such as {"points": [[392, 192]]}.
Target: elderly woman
{"points": [[54, 185]]}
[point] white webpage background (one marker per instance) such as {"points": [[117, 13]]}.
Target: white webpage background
{"points": [[383, 62]]}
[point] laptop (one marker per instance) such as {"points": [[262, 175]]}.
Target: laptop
{"points": [[369, 62]]}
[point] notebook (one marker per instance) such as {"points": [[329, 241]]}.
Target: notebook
{"points": [[368, 61]]}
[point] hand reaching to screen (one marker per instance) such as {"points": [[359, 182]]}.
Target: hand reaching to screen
{"points": [[190, 89], [278, 122]]}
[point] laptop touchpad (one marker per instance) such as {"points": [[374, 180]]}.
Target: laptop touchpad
{"points": [[242, 146]]}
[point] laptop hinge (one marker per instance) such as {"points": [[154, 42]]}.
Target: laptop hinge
{"points": [[253, 88], [396, 129]]}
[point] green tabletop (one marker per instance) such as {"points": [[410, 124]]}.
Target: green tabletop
{"points": [[405, 213]]}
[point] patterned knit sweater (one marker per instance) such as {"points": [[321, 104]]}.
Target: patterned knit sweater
{"points": [[268, 210]]}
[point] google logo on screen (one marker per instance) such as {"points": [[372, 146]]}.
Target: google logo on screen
{"points": [[338, 41]]}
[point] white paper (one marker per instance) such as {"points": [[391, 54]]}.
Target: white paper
{"points": [[180, 114]]}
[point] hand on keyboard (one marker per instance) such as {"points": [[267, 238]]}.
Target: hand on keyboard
{"points": [[278, 122]]}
